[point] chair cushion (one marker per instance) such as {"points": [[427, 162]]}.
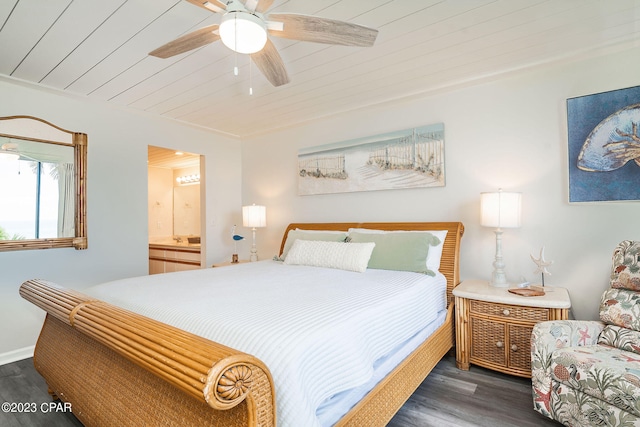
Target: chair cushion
{"points": [[604, 372], [625, 271], [622, 338], [621, 307]]}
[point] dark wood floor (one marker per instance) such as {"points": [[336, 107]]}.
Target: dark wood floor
{"points": [[20, 384], [447, 398], [480, 397]]}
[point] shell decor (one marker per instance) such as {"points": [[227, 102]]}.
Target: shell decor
{"points": [[234, 383], [541, 264], [613, 142]]}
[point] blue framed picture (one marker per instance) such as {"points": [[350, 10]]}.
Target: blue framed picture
{"points": [[604, 146]]}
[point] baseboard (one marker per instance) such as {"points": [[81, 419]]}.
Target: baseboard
{"points": [[15, 355]]}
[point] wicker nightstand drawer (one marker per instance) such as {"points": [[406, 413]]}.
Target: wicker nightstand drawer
{"points": [[509, 311]]}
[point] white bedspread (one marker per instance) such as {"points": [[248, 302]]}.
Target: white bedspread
{"points": [[318, 330]]}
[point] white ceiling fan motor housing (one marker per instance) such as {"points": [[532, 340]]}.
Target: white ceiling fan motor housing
{"points": [[243, 32]]}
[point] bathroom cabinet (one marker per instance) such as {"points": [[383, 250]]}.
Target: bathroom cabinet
{"points": [[167, 258]]}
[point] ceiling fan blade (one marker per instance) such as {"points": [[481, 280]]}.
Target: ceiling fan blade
{"points": [[260, 6], [322, 30], [193, 40], [210, 5], [271, 65]]}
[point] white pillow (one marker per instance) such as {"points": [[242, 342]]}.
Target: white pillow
{"points": [[435, 252], [325, 235], [319, 253]]}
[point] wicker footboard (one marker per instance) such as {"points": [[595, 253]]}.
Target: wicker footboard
{"points": [[119, 368]]}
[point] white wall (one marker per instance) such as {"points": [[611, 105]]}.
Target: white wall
{"points": [[509, 133], [160, 205], [117, 202]]}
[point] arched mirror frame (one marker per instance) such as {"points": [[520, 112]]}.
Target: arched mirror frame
{"points": [[39, 130]]}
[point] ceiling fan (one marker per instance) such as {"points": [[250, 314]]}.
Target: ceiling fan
{"points": [[244, 28]]}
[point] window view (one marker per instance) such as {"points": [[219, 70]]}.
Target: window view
{"points": [[36, 190]]}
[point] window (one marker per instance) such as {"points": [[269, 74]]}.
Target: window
{"points": [[31, 206]]}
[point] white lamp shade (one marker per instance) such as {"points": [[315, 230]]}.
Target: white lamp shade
{"points": [[500, 209], [254, 216], [242, 32]]}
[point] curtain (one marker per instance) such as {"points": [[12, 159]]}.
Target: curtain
{"points": [[66, 200]]}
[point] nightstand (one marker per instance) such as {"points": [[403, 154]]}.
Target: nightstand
{"points": [[493, 326], [224, 264]]}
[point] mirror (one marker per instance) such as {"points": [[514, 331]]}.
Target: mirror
{"points": [[43, 202]]}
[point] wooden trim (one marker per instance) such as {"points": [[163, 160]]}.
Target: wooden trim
{"points": [[175, 261], [48, 243], [36, 119], [174, 249], [80, 164], [462, 333], [64, 144]]}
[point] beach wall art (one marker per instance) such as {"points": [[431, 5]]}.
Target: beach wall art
{"points": [[410, 158], [604, 146]]}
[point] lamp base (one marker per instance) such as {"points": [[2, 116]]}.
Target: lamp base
{"points": [[254, 251], [498, 277], [498, 284]]}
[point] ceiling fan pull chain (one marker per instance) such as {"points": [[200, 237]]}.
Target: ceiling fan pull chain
{"points": [[235, 66], [235, 43]]}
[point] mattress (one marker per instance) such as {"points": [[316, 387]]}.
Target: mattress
{"points": [[331, 410], [320, 331]]}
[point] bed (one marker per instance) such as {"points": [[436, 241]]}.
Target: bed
{"points": [[119, 367]]}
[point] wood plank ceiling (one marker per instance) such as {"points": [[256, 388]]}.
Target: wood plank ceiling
{"points": [[171, 159], [98, 49]]}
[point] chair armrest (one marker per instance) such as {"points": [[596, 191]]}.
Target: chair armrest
{"points": [[545, 339], [556, 334]]}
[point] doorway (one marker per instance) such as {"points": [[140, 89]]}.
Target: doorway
{"points": [[176, 201]]}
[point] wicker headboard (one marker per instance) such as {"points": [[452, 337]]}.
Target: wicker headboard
{"points": [[449, 263]]}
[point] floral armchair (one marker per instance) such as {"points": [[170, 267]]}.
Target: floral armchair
{"points": [[587, 373]]}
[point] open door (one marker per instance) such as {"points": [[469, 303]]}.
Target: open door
{"points": [[176, 210]]}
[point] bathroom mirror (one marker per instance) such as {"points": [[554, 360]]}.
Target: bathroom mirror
{"points": [[42, 198]]}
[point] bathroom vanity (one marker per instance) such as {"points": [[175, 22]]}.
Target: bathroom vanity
{"points": [[169, 256]]}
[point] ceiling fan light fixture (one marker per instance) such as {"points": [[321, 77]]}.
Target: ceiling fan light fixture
{"points": [[9, 151], [8, 155], [243, 32]]}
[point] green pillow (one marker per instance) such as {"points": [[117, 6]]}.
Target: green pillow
{"points": [[327, 236], [398, 251]]}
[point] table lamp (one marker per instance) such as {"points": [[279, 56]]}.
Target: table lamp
{"points": [[254, 216], [500, 210]]}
